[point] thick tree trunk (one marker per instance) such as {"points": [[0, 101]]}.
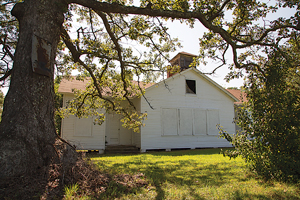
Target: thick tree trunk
{"points": [[27, 132]]}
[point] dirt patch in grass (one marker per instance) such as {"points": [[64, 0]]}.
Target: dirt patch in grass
{"points": [[51, 182], [91, 182]]}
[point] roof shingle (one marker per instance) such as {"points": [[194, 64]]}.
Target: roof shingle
{"points": [[241, 96]]}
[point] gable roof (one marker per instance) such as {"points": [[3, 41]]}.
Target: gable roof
{"points": [[202, 76], [67, 85]]}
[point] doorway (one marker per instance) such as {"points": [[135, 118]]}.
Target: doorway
{"points": [[116, 134]]}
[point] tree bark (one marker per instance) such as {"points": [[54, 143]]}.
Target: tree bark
{"points": [[27, 132]]}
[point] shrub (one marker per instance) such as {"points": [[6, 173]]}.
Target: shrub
{"points": [[270, 120]]}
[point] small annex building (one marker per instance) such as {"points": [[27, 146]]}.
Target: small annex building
{"points": [[185, 110]]}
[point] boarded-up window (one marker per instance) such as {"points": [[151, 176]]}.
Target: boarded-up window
{"points": [[186, 121], [83, 127], [212, 121], [200, 122], [190, 86], [169, 121]]}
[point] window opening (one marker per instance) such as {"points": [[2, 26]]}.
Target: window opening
{"points": [[190, 86]]}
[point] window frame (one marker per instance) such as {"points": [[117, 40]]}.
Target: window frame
{"points": [[190, 86]]}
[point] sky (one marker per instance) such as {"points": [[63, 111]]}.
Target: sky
{"points": [[189, 39]]}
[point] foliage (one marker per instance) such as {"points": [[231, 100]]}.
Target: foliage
{"points": [[190, 174], [113, 66], [270, 120]]}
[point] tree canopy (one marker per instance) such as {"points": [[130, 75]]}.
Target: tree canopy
{"points": [[104, 49]]}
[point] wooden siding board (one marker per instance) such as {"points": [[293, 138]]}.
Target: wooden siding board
{"points": [[94, 137], [89, 141]]}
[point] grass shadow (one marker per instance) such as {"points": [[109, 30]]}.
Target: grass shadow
{"points": [[187, 170], [175, 172], [238, 195]]}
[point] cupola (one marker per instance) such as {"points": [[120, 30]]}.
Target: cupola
{"points": [[183, 60]]}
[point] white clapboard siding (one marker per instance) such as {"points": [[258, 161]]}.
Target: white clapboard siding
{"points": [[82, 133], [194, 116], [89, 136], [83, 127], [136, 137]]}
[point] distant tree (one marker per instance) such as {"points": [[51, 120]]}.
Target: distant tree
{"points": [[270, 120]]}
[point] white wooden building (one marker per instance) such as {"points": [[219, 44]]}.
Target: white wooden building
{"points": [[186, 106]]}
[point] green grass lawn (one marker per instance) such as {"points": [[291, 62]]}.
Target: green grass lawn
{"points": [[190, 174]]}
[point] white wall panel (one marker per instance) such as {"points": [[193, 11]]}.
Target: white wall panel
{"points": [[169, 121], [200, 122], [212, 122], [83, 126], [186, 121], [82, 132]]}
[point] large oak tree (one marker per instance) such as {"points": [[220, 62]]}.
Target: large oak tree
{"points": [[103, 51]]}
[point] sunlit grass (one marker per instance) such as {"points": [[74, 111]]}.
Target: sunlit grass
{"points": [[70, 192], [192, 174]]}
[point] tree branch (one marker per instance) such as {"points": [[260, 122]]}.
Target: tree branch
{"points": [[6, 75], [217, 14], [148, 11], [119, 50], [6, 47], [76, 56]]}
